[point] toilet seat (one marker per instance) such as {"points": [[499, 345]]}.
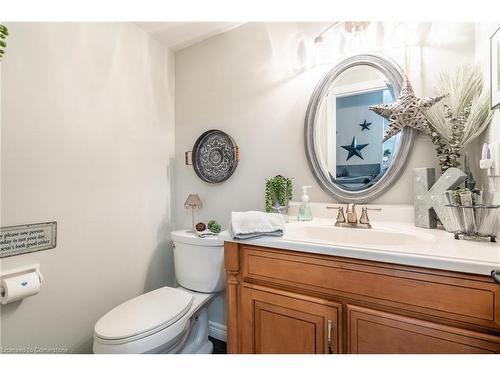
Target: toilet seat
{"points": [[167, 339], [143, 316]]}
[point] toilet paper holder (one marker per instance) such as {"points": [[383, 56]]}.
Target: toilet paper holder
{"points": [[20, 271]]}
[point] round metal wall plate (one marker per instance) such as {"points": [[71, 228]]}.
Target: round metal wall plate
{"points": [[214, 156]]}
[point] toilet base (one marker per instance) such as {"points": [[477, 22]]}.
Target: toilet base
{"points": [[193, 341], [197, 341]]}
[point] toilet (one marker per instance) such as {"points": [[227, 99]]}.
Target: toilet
{"points": [[169, 320]]}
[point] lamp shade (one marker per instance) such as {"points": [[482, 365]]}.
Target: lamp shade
{"points": [[193, 201]]}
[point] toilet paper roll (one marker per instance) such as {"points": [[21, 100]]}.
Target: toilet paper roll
{"points": [[19, 287]]}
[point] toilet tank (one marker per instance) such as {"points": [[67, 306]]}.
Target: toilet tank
{"points": [[199, 262]]}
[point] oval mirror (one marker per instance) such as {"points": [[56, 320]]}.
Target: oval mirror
{"points": [[344, 139]]}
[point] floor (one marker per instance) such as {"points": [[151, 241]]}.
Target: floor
{"points": [[220, 347]]}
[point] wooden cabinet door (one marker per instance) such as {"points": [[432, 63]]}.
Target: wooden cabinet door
{"points": [[376, 332], [277, 322]]}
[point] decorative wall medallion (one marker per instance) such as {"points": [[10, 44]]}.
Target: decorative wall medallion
{"points": [[354, 149], [365, 125], [407, 110], [215, 156]]}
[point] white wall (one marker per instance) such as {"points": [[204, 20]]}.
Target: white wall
{"points": [[249, 83], [492, 134], [87, 138]]}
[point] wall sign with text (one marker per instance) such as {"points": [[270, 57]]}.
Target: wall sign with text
{"points": [[21, 239]]}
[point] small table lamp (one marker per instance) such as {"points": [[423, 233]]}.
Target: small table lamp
{"points": [[193, 201]]}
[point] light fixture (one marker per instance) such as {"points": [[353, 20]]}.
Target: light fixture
{"points": [[193, 201], [320, 50], [355, 27]]}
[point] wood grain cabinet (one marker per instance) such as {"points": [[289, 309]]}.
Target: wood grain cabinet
{"points": [[277, 322], [375, 332], [281, 301]]}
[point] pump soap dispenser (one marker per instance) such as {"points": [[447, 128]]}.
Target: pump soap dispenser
{"points": [[305, 213]]}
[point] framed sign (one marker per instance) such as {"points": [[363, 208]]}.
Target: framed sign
{"points": [[21, 239], [495, 69]]}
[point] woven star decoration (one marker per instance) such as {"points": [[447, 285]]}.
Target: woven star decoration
{"points": [[407, 110]]}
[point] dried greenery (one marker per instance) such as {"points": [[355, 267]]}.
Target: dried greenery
{"points": [[4, 33], [279, 191], [461, 117]]}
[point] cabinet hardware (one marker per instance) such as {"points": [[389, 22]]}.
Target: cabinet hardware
{"points": [[496, 275], [329, 335]]}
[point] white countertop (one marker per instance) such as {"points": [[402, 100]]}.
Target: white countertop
{"points": [[431, 248]]}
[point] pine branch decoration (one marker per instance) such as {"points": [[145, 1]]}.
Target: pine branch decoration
{"points": [[4, 33], [461, 117]]}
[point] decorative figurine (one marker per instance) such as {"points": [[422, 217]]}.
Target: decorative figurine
{"points": [[429, 196], [407, 110], [200, 227], [214, 226]]}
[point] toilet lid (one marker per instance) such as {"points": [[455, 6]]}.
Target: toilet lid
{"points": [[150, 312]]}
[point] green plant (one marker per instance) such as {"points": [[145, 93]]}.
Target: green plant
{"points": [[279, 191], [456, 195], [4, 33], [214, 226]]}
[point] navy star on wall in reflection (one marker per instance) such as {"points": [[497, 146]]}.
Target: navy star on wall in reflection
{"points": [[365, 125], [354, 149]]}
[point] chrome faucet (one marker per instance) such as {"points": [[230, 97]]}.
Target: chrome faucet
{"points": [[352, 217]]}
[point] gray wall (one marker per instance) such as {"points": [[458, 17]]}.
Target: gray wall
{"points": [[87, 137]]}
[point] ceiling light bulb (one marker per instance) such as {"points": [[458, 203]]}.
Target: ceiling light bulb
{"points": [[320, 51]]}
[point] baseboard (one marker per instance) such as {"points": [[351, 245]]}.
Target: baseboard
{"points": [[217, 331]]}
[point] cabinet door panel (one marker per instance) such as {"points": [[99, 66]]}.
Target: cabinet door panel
{"points": [[277, 322], [285, 331], [375, 332]]}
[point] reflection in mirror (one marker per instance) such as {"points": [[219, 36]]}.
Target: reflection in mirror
{"points": [[344, 139], [349, 136]]}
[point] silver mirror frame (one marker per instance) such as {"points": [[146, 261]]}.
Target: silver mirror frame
{"points": [[403, 146]]}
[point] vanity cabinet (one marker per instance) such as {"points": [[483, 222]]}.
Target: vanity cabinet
{"points": [[284, 301], [277, 322], [376, 332]]}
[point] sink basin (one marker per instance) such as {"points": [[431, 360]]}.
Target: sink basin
{"points": [[380, 236]]}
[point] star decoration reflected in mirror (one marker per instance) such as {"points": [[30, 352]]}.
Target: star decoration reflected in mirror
{"points": [[354, 149], [365, 125]]}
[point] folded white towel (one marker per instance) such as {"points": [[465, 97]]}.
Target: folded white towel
{"points": [[252, 224]]}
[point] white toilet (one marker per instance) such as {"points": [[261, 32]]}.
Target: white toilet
{"points": [[169, 320]]}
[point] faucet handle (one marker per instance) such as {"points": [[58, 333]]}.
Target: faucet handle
{"points": [[340, 214], [364, 214]]}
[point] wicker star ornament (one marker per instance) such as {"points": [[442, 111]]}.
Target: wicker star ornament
{"points": [[407, 110]]}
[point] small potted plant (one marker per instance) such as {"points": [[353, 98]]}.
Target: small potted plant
{"points": [[279, 191]]}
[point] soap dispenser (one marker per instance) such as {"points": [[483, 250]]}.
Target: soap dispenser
{"points": [[305, 213]]}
